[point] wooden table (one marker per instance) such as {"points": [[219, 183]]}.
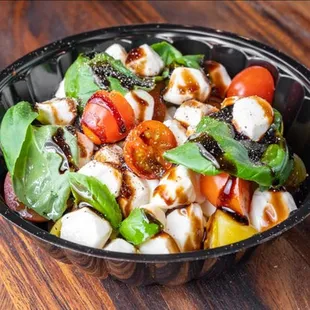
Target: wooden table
{"points": [[276, 278]]}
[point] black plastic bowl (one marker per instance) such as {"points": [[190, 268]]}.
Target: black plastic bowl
{"points": [[36, 76]]}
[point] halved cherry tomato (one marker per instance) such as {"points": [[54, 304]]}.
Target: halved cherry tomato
{"points": [[225, 191], [107, 117], [14, 204], [159, 106], [144, 148], [253, 81]]}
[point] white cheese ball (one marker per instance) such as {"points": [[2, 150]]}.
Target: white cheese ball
{"points": [[85, 227], [159, 244], [156, 212], [111, 153], [117, 52], [135, 192], [179, 186], [252, 116], [186, 226], [169, 115], [60, 93], [144, 61], [142, 104], [178, 130], [186, 84], [120, 245], [207, 208], [57, 111], [190, 113], [86, 149], [269, 208], [105, 173]]}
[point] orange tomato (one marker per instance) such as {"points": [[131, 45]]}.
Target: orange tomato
{"points": [[107, 117], [144, 148], [230, 192]]}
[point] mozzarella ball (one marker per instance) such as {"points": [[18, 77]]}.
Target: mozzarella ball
{"points": [[111, 153], [186, 84], [156, 212], [207, 208], [120, 245], [117, 52], [152, 184], [60, 93], [186, 226], [178, 130], [190, 113], [105, 173], [159, 244], [86, 149], [179, 186], [270, 208], [85, 227], [252, 116], [57, 111], [144, 61], [134, 193], [142, 104], [219, 77], [170, 113]]}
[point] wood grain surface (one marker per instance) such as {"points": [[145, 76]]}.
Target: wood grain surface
{"points": [[277, 277]]}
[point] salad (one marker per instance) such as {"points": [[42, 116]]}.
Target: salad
{"points": [[151, 152]]}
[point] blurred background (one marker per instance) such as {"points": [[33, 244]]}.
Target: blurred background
{"points": [[27, 25]]}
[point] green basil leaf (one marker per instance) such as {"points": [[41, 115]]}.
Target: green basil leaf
{"points": [[170, 55], [79, 80], [13, 131], [137, 228], [167, 52], [90, 190], [38, 181], [116, 85]]}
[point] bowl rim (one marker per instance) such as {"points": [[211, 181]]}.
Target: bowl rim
{"points": [[44, 236]]}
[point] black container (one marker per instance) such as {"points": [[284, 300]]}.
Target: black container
{"points": [[36, 76]]}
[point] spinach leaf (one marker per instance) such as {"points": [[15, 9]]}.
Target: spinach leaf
{"points": [[275, 166], [37, 180], [79, 80], [90, 190], [170, 55], [13, 131]]}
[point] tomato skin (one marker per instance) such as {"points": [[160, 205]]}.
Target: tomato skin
{"points": [[14, 204], [253, 81], [107, 117], [144, 148], [225, 191]]}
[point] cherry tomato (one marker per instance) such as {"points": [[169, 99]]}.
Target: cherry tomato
{"points": [[253, 81], [14, 204], [107, 117], [159, 106], [144, 148], [225, 191]]}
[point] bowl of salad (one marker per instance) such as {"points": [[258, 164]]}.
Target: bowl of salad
{"points": [[154, 153]]}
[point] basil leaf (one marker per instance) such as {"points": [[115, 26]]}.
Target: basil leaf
{"points": [[137, 228], [37, 180], [79, 80], [167, 52], [13, 131], [116, 85], [273, 170], [170, 55], [90, 190]]}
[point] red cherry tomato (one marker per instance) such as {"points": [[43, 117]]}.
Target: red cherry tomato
{"points": [[107, 117], [14, 204], [144, 148], [253, 81]]}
